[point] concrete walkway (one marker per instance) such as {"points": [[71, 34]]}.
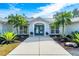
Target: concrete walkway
{"points": [[39, 46]]}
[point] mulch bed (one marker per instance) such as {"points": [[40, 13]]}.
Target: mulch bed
{"points": [[71, 50]]}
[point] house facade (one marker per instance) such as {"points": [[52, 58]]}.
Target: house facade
{"points": [[40, 27]]}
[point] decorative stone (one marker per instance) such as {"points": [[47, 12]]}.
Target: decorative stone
{"points": [[71, 44], [62, 40], [65, 40]]}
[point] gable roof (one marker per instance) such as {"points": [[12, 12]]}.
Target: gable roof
{"points": [[38, 19]]}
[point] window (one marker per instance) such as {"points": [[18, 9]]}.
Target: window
{"points": [[57, 30], [23, 30], [52, 31]]}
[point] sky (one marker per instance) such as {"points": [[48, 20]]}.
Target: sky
{"points": [[46, 10]]}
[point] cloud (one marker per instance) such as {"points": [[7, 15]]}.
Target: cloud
{"points": [[13, 9], [50, 9], [45, 11]]}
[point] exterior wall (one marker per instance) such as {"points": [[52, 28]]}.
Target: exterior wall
{"points": [[0, 28], [46, 27], [4, 27], [74, 26], [60, 30], [68, 29], [11, 29], [71, 28]]}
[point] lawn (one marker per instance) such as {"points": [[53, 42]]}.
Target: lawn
{"points": [[9, 41], [7, 48]]}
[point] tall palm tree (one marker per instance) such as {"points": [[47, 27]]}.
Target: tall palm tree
{"points": [[21, 21], [62, 19], [17, 21], [11, 19]]}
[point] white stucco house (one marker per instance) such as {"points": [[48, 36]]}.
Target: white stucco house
{"points": [[40, 26]]}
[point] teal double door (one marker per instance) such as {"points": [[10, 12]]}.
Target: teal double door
{"points": [[39, 29]]}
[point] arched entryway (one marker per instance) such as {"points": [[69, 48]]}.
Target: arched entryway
{"points": [[39, 29]]}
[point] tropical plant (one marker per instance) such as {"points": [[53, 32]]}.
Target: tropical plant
{"points": [[9, 36], [11, 19], [17, 21], [75, 37], [62, 19]]}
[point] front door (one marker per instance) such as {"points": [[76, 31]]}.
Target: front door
{"points": [[39, 29]]}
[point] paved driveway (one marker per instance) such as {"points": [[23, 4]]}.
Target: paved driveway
{"points": [[39, 46]]}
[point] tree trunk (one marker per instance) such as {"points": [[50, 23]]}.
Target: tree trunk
{"points": [[63, 30], [17, 29]]}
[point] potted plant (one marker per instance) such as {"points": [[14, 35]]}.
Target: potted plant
{"points": [[47, 33], [31, 33]]}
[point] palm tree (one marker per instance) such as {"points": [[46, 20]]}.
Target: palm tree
{"points": [[21, 21], [62, 19], [17, 21], [11, 19]]}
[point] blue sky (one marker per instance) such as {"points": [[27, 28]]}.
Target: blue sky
{"points": [[35, 9]]}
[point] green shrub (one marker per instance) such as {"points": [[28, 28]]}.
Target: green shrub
{"points": [[9, 36], [76, 41], [75, 37]]}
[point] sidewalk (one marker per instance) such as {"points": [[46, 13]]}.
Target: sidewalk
{"points": [[39, 46]]}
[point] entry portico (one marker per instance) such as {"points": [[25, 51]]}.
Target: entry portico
{"points": [[39, 26]]}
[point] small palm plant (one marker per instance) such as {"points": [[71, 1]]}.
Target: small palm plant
{"points": [[9, 37], [75, 37]]}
